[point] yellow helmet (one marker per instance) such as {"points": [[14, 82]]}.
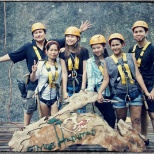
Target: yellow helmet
{"points": [[37, 25], [114, 36], [72, 31], [97, 39], [140, 24]]}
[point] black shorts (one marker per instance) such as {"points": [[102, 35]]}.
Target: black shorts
{"points": [[49, 103], [150, 103]]}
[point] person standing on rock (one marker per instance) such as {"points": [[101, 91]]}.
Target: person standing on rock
{"points": [[48, 73], [95, 76], [34, 50], [73, 61], [122, 72], [144, 54]]}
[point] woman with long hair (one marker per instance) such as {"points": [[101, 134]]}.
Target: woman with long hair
{"points": [[95, 76], [73, 62]]}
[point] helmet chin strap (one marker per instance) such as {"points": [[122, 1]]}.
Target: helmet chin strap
{"points": [[76, 44]]}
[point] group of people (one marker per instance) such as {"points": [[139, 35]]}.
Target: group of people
{"points": [[121, 79]]}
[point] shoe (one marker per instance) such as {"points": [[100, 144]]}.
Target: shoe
{"points": [[146, 142]]}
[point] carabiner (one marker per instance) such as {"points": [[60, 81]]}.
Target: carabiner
{"points": [[127, 100]]}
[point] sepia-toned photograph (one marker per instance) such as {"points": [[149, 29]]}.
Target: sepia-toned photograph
{"points": [[77, 76]]}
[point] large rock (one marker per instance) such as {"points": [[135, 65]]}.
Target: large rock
{"points": [[66, 128]]}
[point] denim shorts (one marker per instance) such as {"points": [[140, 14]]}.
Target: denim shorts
{"points": [[70, 93], [122, 103], [70, 90]]}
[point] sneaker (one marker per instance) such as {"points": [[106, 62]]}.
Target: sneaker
{"points": [[146, 142]]}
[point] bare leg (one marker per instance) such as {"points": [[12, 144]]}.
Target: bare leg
{"points": [[144, 122], [54, 109], [27, 118], [151, 114], [121, 114], [135, 114], [45, 110]]}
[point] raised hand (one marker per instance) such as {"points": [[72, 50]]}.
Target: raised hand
{"points": [[34, 67], [85, 25]]}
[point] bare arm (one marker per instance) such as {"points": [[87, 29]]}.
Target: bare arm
{"points": [[152, 91], [140, 79], [104, 84], [84, 76], [5, 58], [64, 77]]}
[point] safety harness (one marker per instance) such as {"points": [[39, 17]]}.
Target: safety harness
{"points": [[125, 74], [51, 81], [37, 53], [139, 60], [100, 67], [22, 85], [124, 69], [73, 65]]}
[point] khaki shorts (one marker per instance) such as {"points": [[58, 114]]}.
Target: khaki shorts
{"points": [[29, 103]]}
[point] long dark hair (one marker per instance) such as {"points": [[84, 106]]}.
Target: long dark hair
{"points": [[105, 54], [77, 48]]}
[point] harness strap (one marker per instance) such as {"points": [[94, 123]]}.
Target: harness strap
{"points": [[37, 53], [134, 48], [43, 88], [120, 69], [101, 69], [51, 80], [139, 60], [74, 64], [127, 68], [57, 91]]}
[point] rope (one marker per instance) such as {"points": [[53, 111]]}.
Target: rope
{"points": [[9, 74], [10, 92], [10, 98], [5, 27]]}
